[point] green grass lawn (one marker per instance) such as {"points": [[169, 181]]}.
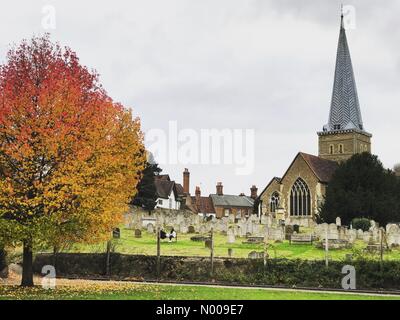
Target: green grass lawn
{"points": [[146, 245], [130, 291]]}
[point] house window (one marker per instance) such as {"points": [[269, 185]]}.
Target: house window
{"points": [[331, 149], [300, 199], [226, 212], [246, 213], [341, 148], [160, 202], [274, 202]]}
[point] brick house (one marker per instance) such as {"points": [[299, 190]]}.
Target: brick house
{"points": [[218, 204]]}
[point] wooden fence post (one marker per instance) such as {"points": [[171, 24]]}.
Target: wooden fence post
{"points": [[158, 254], [108, 258], [212, 253], [326, 248]]}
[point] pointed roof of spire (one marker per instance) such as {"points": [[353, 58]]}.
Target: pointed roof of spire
{"points": [[345, 111]]}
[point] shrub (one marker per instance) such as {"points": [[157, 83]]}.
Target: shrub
{"points": [[361, 223]]}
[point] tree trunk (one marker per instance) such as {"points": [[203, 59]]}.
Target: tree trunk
{"points": [[27, 265]]}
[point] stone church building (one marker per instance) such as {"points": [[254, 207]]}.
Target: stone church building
{"points": [[296, 197]]}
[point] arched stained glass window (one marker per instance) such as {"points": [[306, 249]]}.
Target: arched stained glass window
{"points": [[300, 199]]}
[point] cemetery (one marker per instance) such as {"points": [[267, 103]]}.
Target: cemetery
{"points": [[248, 234]]}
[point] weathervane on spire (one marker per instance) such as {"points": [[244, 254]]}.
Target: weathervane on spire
{"points": [[348, 16]]}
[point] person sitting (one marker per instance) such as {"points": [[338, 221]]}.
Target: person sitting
{"points": [[163, 234], [172, 235]]}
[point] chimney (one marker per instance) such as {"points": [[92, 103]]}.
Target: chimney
{"points": [[241, 194], [198, 195], [220, 189], [186, 179], [253, 192]]}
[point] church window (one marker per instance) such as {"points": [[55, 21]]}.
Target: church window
{"points": [[274, 202], [300, 199], [341, 148], [336, 127], [331, 149]]}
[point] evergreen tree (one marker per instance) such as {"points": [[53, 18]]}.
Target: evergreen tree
{"points": [[362, 187], [147, 193]]}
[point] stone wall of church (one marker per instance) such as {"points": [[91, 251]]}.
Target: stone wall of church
{"points": [[298, 169], [344, 145], [267, 194]]}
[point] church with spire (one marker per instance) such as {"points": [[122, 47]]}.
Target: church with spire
{"points": [[297, 196]]}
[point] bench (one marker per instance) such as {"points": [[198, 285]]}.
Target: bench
{"points": [[301, 238]]}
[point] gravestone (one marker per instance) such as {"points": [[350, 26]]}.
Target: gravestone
{"points": [[256, 255], [116, 233], [231, 235], [338, 221], [208, 243], [191, 229], [203, 229], [138, 233], [150, 228], [289, 230], [230, 252], [183, 228], [264, 219]]}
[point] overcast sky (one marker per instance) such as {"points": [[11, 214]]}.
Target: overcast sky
{"points": [[243, 64]]}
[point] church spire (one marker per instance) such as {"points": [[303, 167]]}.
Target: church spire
{"points": [[345, 111]]}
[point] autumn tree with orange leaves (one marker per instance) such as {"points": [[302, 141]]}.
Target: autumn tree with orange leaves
{"points": [[70, 157]]}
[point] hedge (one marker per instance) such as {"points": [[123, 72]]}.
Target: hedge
{"points": [[282, 272]]}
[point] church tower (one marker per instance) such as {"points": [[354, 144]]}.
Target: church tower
{"points": [[344, 135]]}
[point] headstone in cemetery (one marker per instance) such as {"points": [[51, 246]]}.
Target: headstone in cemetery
{"points": [[338, 221], [231, 235], [256, 255], [150, 228], [116, 233], [191, 229], [138, 233], [289, 230], [183, 228], [264, 219], [203, 229], [230, 252]]}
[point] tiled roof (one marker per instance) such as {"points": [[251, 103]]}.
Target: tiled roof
{"points": [[322, 168], [206, 205], [227, 200], [179, 189], [164, 188], [164, 177]]}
